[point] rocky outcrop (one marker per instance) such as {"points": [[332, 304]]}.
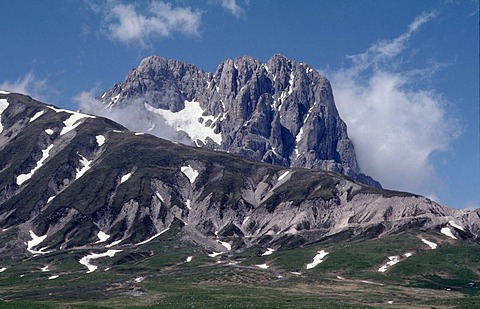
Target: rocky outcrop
{"points": [[280, 112]]}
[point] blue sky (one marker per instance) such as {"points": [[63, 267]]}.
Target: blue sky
{"points": [[405, 74]]}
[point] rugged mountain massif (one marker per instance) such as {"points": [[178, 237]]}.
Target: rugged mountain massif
{"points": [[82, 197], [280, 112], [70, 176]]}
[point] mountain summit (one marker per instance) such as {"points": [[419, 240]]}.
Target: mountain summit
{"points": [[281, 112]]}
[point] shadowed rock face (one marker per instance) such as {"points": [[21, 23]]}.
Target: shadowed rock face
{"points": [[88, 174], [280, 112]]}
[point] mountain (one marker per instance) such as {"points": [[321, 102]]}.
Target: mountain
{"points": [[82, 198], [281, 112]]}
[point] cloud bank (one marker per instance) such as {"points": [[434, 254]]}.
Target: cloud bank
{"points": [[132, 115], [394, 125], [28, 84], [129, 24], [232, 7]]}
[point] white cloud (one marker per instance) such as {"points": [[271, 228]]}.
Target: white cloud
{"points": [[394, 125], [232, 7], [132, 115], [127, 24], [28, 85]]}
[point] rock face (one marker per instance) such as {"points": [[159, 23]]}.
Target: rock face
{"points": [[280, 112]]}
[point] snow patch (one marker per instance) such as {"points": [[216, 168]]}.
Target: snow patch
{"points": [[245, 220], [191, 173], [394, 259], [189, 259], [24, 177], [152, 238], [71, 122], [53, 277], [456, 225], [100, 140], [50, 199], [3, 106], [159, 197], [283, 175], [36, 240], [139, 279], [86, 259], [36, 116], [214, 254], [4, 92], [116, 242], [125, 177], [262, 266], [268, 252], [432, 245], [85, 167], [188, 203], [45, 268], [3, 269], [317, 259], [187, 120], [447, 231], [225, 244], [49, 131], [102, 237]]}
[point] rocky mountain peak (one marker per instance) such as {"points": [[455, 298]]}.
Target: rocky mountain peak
{"points": [[281, 112]]}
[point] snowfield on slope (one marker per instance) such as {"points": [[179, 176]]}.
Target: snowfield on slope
{"points": [[317, 259], [187, 120], [36, 240], [190, 172], [86, 259], [24, 177]]}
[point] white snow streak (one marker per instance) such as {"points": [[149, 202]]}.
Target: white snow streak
{"points": [[225, 244], [262, 266], [189, 259], [86, 166], [86, 259], [45, 268], [317, 259], [53, 277], [160, 197], [36, 116], [3, 269], [116, 242], [71, 122], [24, 177], [283, 175], [153, 237], [100, 140], [125, 177], [191, 173], [268, 252], [394, 259], [214, 254], [187, 120], [188, 203], [448, 232], [3, 106], [49, 131], [102, 237], [36, 240], [456, 225], [4, 92], [432, 245]]}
